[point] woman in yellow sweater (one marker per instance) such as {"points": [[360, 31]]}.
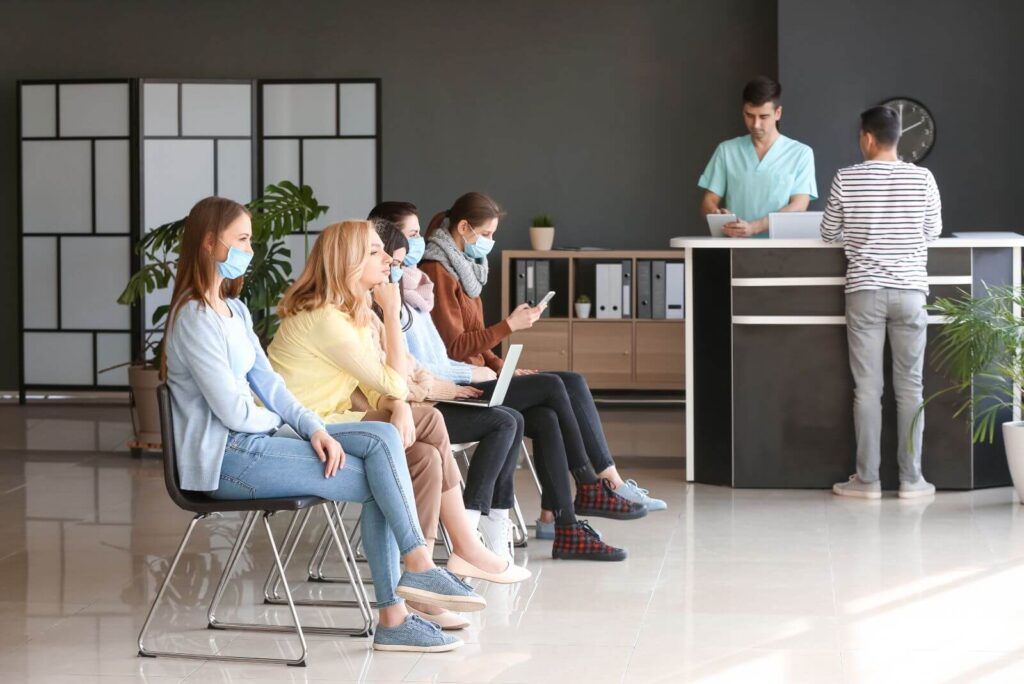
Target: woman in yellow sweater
{"points": [[326, 349]]}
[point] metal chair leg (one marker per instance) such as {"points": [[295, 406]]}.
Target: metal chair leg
{"points": [[291, 541], [247, 525], [520, 533]]}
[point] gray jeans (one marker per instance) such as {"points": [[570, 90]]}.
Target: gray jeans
{"points": [[869, 314]]}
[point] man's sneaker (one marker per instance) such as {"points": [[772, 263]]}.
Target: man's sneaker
{"points": [[912, 490], [546, 530], [440, 588], [415, 634], [497, 536], [631, 491], [599, 499], [855, 487], [579, 541]]}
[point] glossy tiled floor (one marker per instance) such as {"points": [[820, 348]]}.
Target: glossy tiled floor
{"points": [[727, 586]]}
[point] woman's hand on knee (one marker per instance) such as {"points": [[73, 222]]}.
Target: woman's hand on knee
{"points": [[329, 451], [401, 418]]}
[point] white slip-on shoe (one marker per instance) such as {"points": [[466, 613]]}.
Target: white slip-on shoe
{"points": [[510, 575], [446, 619], [857, 488], [913, 490]]}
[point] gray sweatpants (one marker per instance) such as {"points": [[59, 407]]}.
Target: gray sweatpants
{"points": [[869, 314]]}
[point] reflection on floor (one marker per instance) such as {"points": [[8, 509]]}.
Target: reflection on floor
{"points": [[726, 586]]}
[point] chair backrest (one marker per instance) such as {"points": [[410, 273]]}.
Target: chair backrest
{"points": [[171, 480]]}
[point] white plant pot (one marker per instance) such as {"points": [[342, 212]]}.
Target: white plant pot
{"points": [[541, 239], [1013, 439], [582, 310]]}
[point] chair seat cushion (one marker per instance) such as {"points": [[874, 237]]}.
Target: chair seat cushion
{"points": [[197, 502]]}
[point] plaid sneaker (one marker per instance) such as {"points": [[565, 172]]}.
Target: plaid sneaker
{"points": [[580, 542], [600, 500]]}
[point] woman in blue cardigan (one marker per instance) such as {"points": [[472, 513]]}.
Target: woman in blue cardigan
{"points": [[214, 365]]}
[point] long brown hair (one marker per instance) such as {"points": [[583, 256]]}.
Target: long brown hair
{"points": [[197, 268], [332, 273], [474, 207]]}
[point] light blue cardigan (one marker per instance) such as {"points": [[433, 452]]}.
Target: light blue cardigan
{"points": [[427, 347], [208, 399]]}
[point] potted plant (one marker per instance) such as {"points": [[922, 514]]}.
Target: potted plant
{"points": [[979, 347], [542, 232], [283, 209], [582, 306]]}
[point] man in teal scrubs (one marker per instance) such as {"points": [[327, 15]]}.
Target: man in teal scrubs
{"points": [[754, 175]]}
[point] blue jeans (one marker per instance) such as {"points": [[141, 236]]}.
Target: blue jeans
{"points": [[375, 475]]}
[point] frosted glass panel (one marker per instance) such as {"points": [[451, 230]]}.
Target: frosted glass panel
{"points": [[280, 161], [296, 243], [39, 111], [94, 109], [39, 270], [234, 170], [58, 359], [215, 109], [56, 186], [111, 350], [357, 108], [94, 271], [307, 109], [113, 204], [343, 176], [178, 173], [160, 109]]}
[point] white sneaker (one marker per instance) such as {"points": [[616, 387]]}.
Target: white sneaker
{"points": [[497, 536], [857, 487], [912, 490]]}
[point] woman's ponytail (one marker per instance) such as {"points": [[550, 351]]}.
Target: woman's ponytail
{"points": [[436, 222]]}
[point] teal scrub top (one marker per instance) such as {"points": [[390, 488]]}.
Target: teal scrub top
{"points": [[753, 188]]}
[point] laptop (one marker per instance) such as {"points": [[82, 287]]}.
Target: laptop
{"points": [[795, 225], [497, 393]]}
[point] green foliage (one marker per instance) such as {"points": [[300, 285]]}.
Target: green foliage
{"points": [[284, 208], [979, 348], [542, 221], [582, 299]]}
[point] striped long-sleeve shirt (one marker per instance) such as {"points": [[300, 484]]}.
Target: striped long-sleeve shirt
{"points": [[885, 212]]}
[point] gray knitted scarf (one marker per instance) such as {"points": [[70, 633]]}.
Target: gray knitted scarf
{"points": [[472, 274]]}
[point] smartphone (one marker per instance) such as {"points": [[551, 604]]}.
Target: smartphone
{"points": [[547, 298]]}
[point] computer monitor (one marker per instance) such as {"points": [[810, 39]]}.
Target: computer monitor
{"points": [[795, 225]]}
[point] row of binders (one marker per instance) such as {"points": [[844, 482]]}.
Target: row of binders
{"points": [[533, 281], [659, 289]]}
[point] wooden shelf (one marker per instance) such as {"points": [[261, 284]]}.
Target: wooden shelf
{"points": [[613, 353]]}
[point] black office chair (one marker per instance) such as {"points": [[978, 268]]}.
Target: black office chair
{"points": [[204, 506]]}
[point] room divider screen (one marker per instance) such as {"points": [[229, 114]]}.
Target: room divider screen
{"points": [[103, 161]]}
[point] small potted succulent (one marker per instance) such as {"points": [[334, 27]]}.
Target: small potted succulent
{"points": [[582, 306], [542, 232]]}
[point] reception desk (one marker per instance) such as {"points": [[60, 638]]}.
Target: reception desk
{"points": [[768, 385]]}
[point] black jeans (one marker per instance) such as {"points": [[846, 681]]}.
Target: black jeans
{"points": [[582, 402], [492, 469], [558, 446]]}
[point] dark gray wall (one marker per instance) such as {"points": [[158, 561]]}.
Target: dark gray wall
{"points": [[601, 114], [961, 59]]}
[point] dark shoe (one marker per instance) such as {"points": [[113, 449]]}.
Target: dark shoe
{"points": [[580, 542], [600, 500]]}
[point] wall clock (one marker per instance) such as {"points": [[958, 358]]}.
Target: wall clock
{"points": [[918, 129]]}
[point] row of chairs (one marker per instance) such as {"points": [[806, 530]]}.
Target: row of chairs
{"points": [[276, 589]]}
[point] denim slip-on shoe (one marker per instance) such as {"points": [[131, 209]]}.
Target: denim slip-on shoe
{"points": [[415, 634], [599, 499], [913, 490], [446, 619], [440, 588], [510, 575], [579, 542], [856, 487], [546, 530], [631, 491]]}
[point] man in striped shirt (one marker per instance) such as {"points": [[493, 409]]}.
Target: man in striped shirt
{"points": [[885, 212]]}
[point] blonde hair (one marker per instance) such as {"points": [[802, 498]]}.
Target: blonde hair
{"points": [[332, 273]]}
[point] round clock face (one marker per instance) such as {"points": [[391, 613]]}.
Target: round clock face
{"points": [[918, 129]]}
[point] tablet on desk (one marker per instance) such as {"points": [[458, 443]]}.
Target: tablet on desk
{"points": [[716, 222]]}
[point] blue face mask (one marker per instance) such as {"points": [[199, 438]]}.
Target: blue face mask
{"points": [[236, 264], [416, 246], [479, 249], [396, 274]]}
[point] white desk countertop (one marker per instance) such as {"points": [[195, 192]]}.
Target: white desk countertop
{"points": [[978, 239]]}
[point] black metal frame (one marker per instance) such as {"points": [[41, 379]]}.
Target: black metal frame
{"points": [[23, 386]]}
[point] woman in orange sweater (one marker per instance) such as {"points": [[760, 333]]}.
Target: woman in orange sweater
{"points": [[458, 242]]}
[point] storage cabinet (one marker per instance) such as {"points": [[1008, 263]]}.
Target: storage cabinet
{"points": [[631, 353]]}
